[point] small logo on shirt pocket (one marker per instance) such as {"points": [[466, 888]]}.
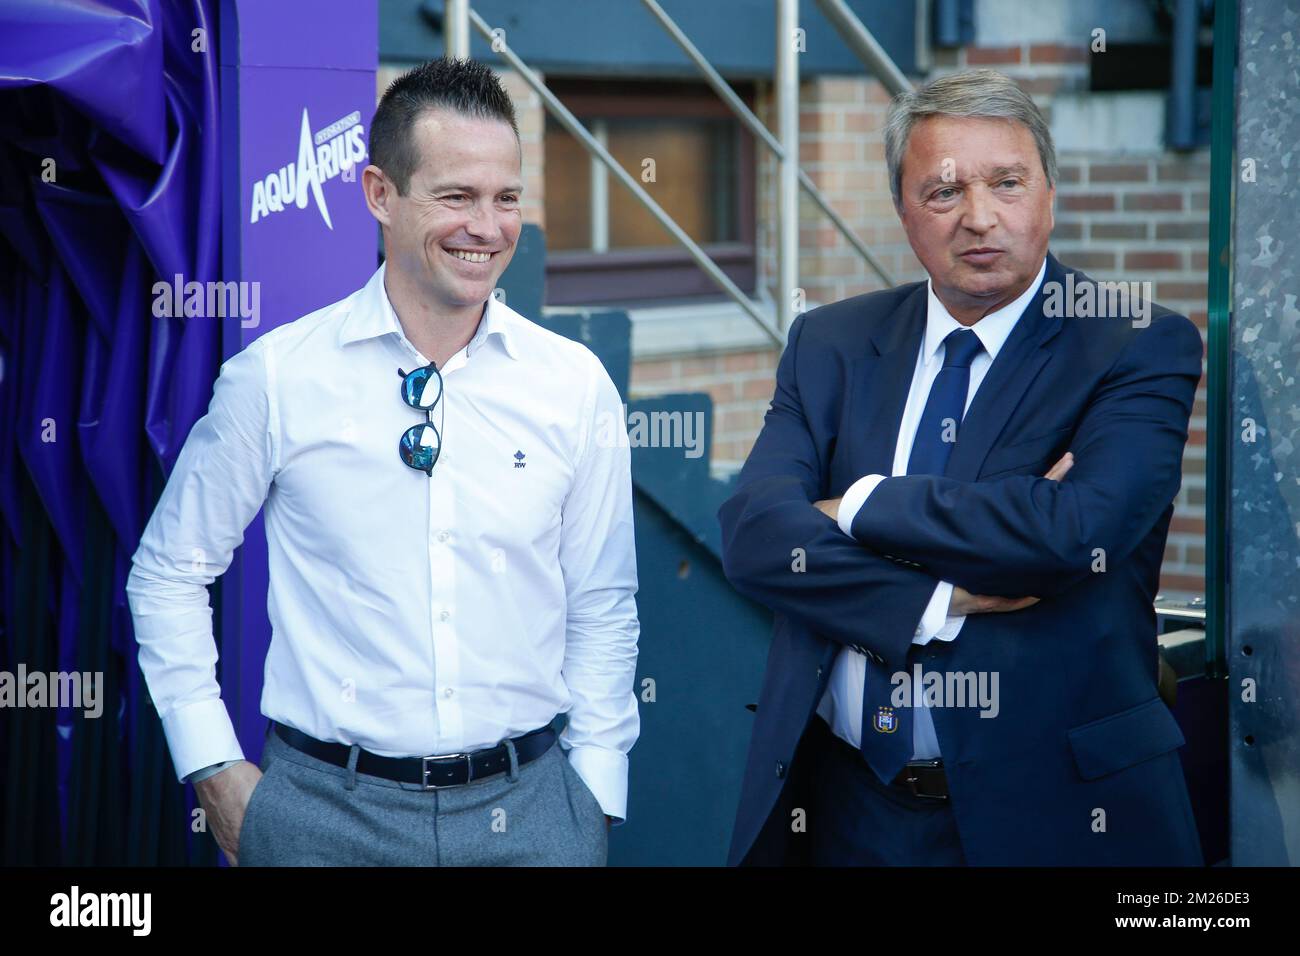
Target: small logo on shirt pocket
{"points": [[519, 460]]}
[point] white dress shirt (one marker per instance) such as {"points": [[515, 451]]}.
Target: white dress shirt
{"points": [[841, 705], [410, 614]]}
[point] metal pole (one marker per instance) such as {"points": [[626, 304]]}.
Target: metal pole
{"points": [[787, 191], [570, 123], [861, 42], [755, 126], [455, 29]]}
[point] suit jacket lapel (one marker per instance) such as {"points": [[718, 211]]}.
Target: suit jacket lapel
{"points": [[1018, 363], [880, 386]]}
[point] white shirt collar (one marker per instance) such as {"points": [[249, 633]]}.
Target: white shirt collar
{"points": [[372, 315], [992, 330]]}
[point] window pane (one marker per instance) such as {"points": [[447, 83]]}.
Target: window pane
{"points": [[695, 175], [568, 190]]}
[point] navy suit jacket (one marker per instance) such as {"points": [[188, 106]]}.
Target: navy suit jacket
{"points": [[1081, 766]]}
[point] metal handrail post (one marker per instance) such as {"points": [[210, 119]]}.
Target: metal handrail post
{"points": [[756, 127], [579, 132], [787, 191], [455, 29]]}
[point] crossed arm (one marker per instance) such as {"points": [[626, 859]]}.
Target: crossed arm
{"points": [[1025, 534], [1010, 537], [781, 552]]}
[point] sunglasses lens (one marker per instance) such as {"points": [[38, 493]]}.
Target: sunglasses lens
{"points": [[422, 388], [419, 446]]}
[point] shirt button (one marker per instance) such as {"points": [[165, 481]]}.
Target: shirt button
{"points": [[444, 535], [448, 692], [446, 615]]}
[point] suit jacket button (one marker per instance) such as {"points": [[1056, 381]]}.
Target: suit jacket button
{"points": [[780, 769], [819, 670]]}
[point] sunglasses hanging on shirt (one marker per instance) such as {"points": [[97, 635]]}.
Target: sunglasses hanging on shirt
{"points": [[420, 444]]}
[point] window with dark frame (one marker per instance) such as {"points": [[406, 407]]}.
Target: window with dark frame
{"points": [[602, 244]]}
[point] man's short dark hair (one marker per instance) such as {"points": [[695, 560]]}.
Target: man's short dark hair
{"points": [[464, 86]]}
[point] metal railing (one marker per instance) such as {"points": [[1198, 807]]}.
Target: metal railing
{"points": [[784, 146]]}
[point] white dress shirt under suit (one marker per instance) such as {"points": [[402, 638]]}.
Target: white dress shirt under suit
{"points": [[412, 615], [841, 704]]}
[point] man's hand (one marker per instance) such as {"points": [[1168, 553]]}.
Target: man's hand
{"points": [[224, 797], [1061, 468], [830, 508], [963, 602]]}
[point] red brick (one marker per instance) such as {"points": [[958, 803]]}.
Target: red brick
{"points": [[1057, 53], [722, 392], [992, 55], [1153, 201], [692, 367], [815, 121], [1154, 260], [757, 389], [863, 122], [1119, 173], [1090, 259], [1192, 229], [653, 372], [740, 362], [1088, 202], [1039, 85], [1186, 524], [1182, 582]]}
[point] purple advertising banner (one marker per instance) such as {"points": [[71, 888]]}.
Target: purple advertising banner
{"points": [[297, 95]]}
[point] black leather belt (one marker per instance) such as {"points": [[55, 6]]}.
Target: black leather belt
{"points": [[433, 772], [923, 778]]}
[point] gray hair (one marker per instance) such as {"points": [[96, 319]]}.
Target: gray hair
{"points": [[975, 93]]}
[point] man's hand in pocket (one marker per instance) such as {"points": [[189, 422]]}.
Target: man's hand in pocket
{"points": [[224, 797]]}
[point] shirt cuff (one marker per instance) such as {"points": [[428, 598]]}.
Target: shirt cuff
{"points": [[936, 624], [200, 735], [212, 771], [853, 500], [605, 774]]}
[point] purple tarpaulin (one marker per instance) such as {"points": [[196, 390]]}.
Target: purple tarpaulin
{"points": [[119, 166], [108, 115]]}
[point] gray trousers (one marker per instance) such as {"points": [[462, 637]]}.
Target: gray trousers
{"points": [[306, 812]]}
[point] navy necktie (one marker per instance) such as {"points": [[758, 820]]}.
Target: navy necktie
{"points": [[887, 730]]}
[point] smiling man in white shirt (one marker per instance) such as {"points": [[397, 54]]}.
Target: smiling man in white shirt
{"points": [[450, 542]]}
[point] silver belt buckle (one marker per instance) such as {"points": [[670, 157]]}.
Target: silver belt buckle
{"points": [[424, 766]]}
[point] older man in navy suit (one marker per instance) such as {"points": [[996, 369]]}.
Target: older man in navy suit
{"points": [[957, 509]]}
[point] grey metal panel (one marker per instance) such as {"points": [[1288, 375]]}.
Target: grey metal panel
{"points": [[1264, 559], [704, 647]]}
